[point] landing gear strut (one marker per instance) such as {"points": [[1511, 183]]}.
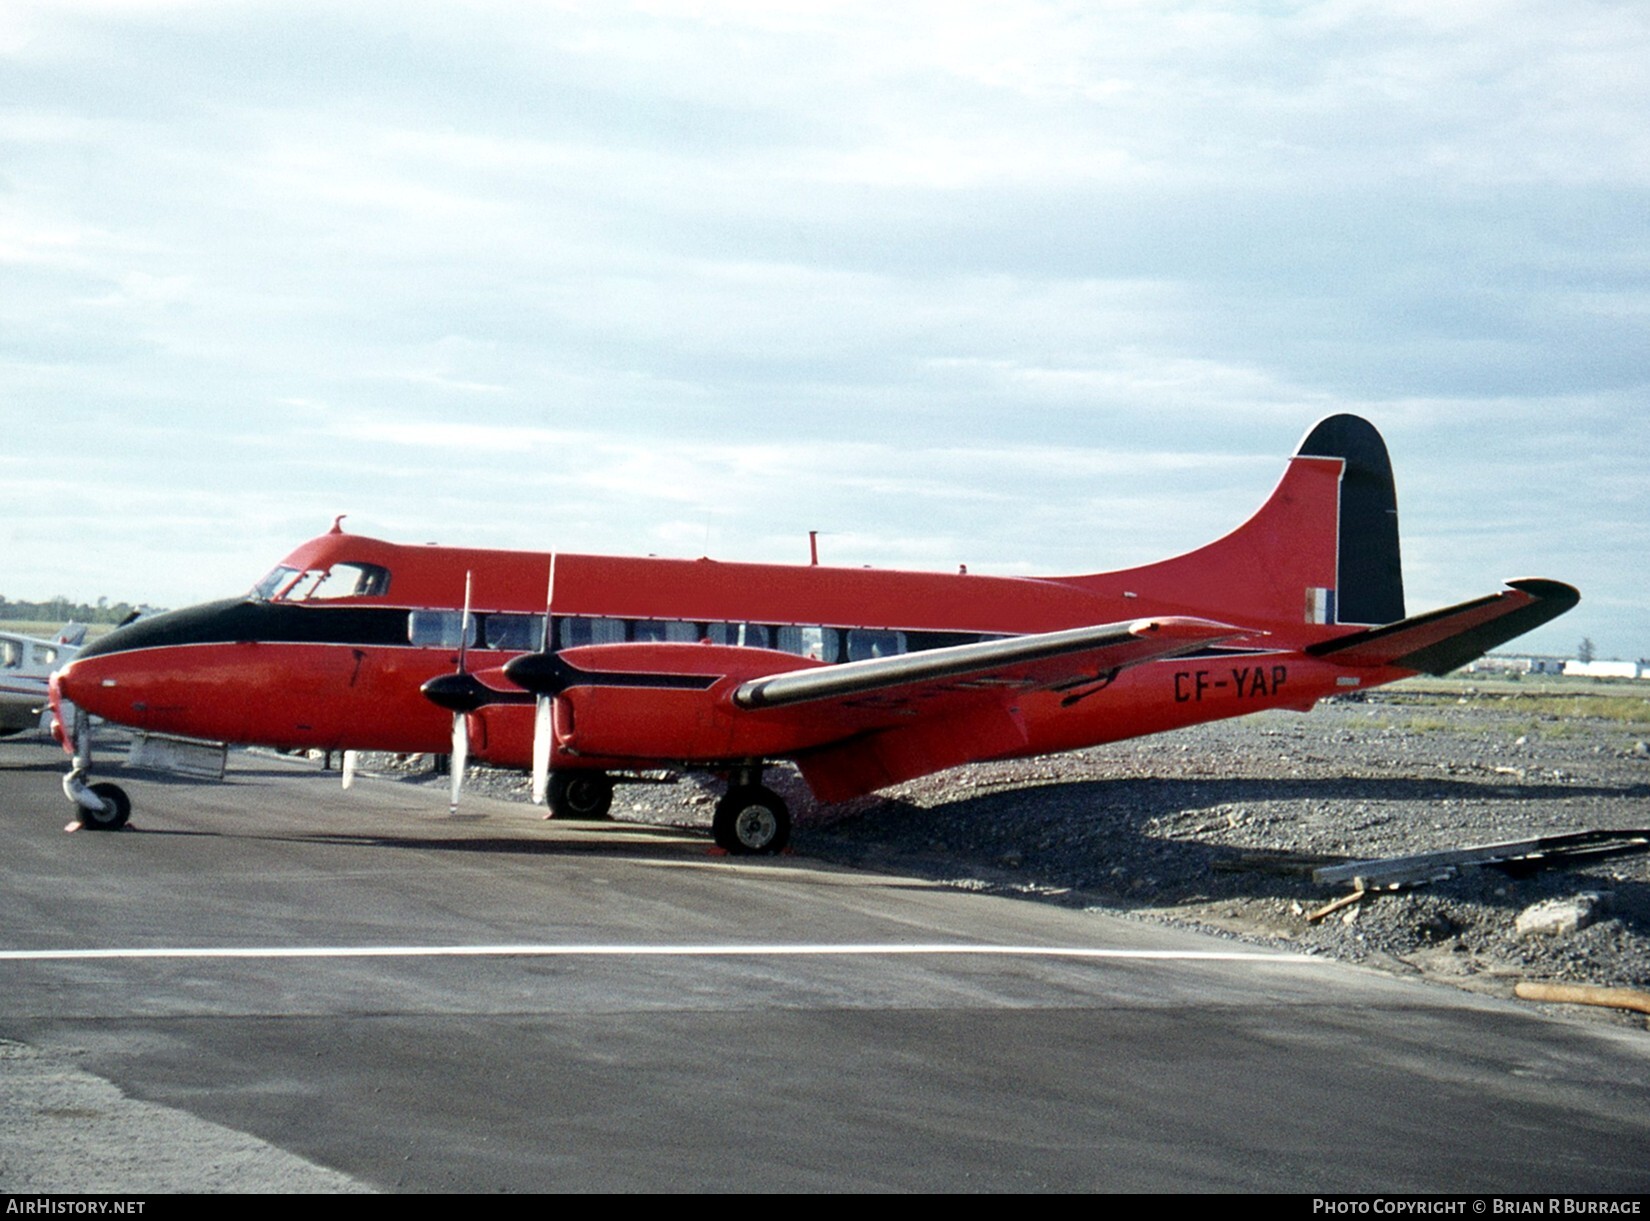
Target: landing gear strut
{"points": [[98, 807], [752, 819], [584, 795]]}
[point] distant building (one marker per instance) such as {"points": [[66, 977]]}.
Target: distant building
{"points": [[1605, 669], [1520, 663]]}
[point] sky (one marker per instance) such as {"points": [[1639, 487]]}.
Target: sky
{"points": [[1035, 287]]}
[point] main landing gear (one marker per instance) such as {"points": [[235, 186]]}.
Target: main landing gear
{"points": [[98, 807], [586, 795], [751, 819]]}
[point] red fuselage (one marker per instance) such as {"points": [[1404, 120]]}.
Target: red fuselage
{"points": [[332, 649], [862, 678]]}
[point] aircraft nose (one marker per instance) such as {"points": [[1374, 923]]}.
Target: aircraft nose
{"points": [[61, 686], [79, 683]]}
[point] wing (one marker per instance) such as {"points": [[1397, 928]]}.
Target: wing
{"points": [[1442, 640], [922, 713], [852, 727], [1074, 658]]}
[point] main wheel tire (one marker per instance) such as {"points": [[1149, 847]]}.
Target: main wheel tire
{"points": [[585, 795], [751, 821], [117, 808]]}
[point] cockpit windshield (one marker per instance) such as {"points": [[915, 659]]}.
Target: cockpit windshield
{"points": [[341, 580], [278, 579]]}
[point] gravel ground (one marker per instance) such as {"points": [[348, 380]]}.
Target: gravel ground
{"points": [[1220, 826]]}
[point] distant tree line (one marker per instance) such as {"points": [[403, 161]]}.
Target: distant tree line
{"points": [[61, 610]]}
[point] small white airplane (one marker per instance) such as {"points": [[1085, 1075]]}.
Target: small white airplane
{"points": [[26, 663]]}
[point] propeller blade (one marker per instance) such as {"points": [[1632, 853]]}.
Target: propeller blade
{"points": [[464, 623], [549, 602], [542, 711], [544, 706], [349, 769], [461, 756]]}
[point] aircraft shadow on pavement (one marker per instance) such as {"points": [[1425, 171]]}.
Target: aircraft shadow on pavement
{"points": [[607, 839], [31, 765]]}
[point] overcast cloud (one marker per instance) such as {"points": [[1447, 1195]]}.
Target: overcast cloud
{"points": [[1034, 287]]}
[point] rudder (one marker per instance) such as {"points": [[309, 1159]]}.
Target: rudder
{"points": [[1370, 581]]}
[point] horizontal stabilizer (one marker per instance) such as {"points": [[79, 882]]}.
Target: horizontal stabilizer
{"points": [[1045, 659], [1445, 640]]}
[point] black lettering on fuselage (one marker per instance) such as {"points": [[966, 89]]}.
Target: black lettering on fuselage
{"points": [[1246, 682]]}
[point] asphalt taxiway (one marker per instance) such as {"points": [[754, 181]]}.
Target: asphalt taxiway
{"points": [[272, 984]]}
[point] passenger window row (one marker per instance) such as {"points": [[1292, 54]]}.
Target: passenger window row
{"points": [[512, 633]]}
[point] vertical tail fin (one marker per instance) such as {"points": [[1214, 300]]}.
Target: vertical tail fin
{"points": [[1323, 549]]}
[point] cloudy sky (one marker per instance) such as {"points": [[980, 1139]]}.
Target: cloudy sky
{"points": [[1038, 287]]}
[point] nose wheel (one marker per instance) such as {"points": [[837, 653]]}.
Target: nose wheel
{"points": [[114, 808], [98, 807], [751, 821]]}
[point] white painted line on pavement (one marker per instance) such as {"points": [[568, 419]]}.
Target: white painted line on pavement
{"points": [[762, 950]]}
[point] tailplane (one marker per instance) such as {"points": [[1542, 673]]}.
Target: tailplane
{"points": [[1323, 550], [1445, 640]]}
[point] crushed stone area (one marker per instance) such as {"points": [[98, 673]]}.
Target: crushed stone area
{"points": [[1220, 827]]}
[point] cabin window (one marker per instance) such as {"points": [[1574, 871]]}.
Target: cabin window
{"points": [[918, 641], [672, 630], [512, 633], [438, 629], [11, 654], [864, 643], [572, 631], [820, 643], [42, 654], [746, 635]]}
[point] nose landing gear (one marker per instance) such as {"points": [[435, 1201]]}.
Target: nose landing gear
{"points": [[113, 807], [98, 807]]}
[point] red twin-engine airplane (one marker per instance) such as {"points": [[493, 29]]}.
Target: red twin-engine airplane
{"points": [[863, 678]]}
